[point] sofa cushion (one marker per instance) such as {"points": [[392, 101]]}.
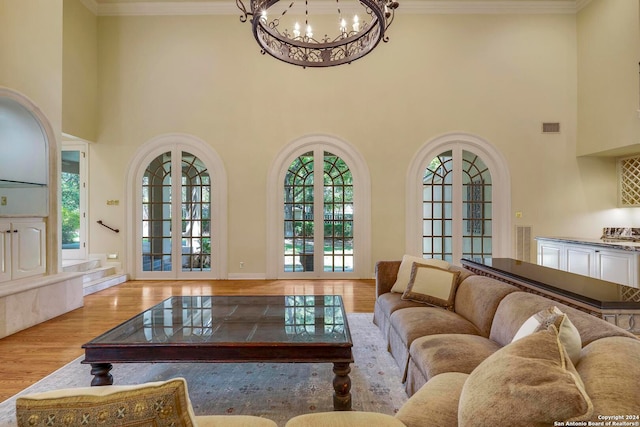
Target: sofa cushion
{"points": [[517, 307], [156, 403], [409, 324], [609, 369], [435, 404], [233, 421], [344, 419], [436, 354], [569, 335], [477, 300], [533, 375], [404, 273], [432, 285], [385, 306]]}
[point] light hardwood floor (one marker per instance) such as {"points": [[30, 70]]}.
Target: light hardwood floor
{"points": [[29, 355]]}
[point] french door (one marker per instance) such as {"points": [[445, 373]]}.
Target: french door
{"points": [[457, 207], [318, 218], [175, 217]]}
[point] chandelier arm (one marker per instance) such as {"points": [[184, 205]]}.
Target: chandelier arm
{"points": [[240, 5], [305, 51]]}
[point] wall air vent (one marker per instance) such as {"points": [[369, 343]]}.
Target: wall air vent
{"points": [[551, 127], [523, 243]]}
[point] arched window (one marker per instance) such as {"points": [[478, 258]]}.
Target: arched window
{"points": [[319, 217], [180, 185], [458, 198]]}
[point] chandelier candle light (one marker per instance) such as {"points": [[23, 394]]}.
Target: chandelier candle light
{"points": [[271, 21]]}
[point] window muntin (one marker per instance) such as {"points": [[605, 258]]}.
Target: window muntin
{"points": [[338, 214], [298, 214], [437, 212], [476, 208], [196, 214], [156, 215]]}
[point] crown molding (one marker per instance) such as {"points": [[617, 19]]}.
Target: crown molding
{"points": [[580, 4], [487, 7], [151, 8], [168, 8], [92, 5]]}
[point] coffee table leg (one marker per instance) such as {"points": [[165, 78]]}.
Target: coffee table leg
{"points": [[101, 375], [342, 387]]}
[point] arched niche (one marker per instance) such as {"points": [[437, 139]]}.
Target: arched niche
{"points": [[24, 165], [28, 167]]}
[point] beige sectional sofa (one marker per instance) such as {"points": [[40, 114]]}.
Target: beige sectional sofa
{"points": [[462, 367]]}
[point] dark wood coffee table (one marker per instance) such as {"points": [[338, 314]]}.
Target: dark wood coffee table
{"points": [[232, 329]]}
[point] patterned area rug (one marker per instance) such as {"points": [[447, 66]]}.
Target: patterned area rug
{"points": [[273, 390]]}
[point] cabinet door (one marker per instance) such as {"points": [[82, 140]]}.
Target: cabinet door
{"points": [[5, 251], [618, 267], [550, 255], [581, 260], [28, 249]]}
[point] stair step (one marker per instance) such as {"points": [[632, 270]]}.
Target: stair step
{"points": [[80, 265], [98, 273], [103, 283]]}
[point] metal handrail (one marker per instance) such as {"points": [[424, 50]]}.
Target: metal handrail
{"points": [[115, 230]]}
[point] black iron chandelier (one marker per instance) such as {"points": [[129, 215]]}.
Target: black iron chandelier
{"points": [[295, 44]]}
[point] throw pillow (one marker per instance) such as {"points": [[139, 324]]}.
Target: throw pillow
{"points": [[164, 403], [569, 335], [404, 273], [432, 285], [530, 382]]}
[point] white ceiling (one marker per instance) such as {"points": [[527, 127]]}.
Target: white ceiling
{"points": [[224, 7]]}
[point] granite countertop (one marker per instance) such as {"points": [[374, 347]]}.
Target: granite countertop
{"points": [[588, 290], [618, 244]]}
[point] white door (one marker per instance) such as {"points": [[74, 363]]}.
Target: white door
{"points": [[73, 194], [28, 249], [5, 251]]}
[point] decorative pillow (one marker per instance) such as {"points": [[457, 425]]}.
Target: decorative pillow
{"points": [[432, 285], [530, 382], [404, 273], [569, 335], [164, 403]]}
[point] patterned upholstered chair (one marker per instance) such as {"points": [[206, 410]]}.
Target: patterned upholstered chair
{"points": [[164, 403]]}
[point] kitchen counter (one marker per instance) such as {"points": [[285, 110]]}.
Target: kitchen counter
{"points": [[616, 244], [612, 302]]}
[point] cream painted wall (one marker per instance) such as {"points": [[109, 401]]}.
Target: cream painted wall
{"points": [[31, 64], [495, 76], [31, 53], [80, 71], [608, 56]]}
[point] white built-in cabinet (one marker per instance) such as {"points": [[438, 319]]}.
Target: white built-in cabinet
{"points": [[22, 249], [618, 266]]}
